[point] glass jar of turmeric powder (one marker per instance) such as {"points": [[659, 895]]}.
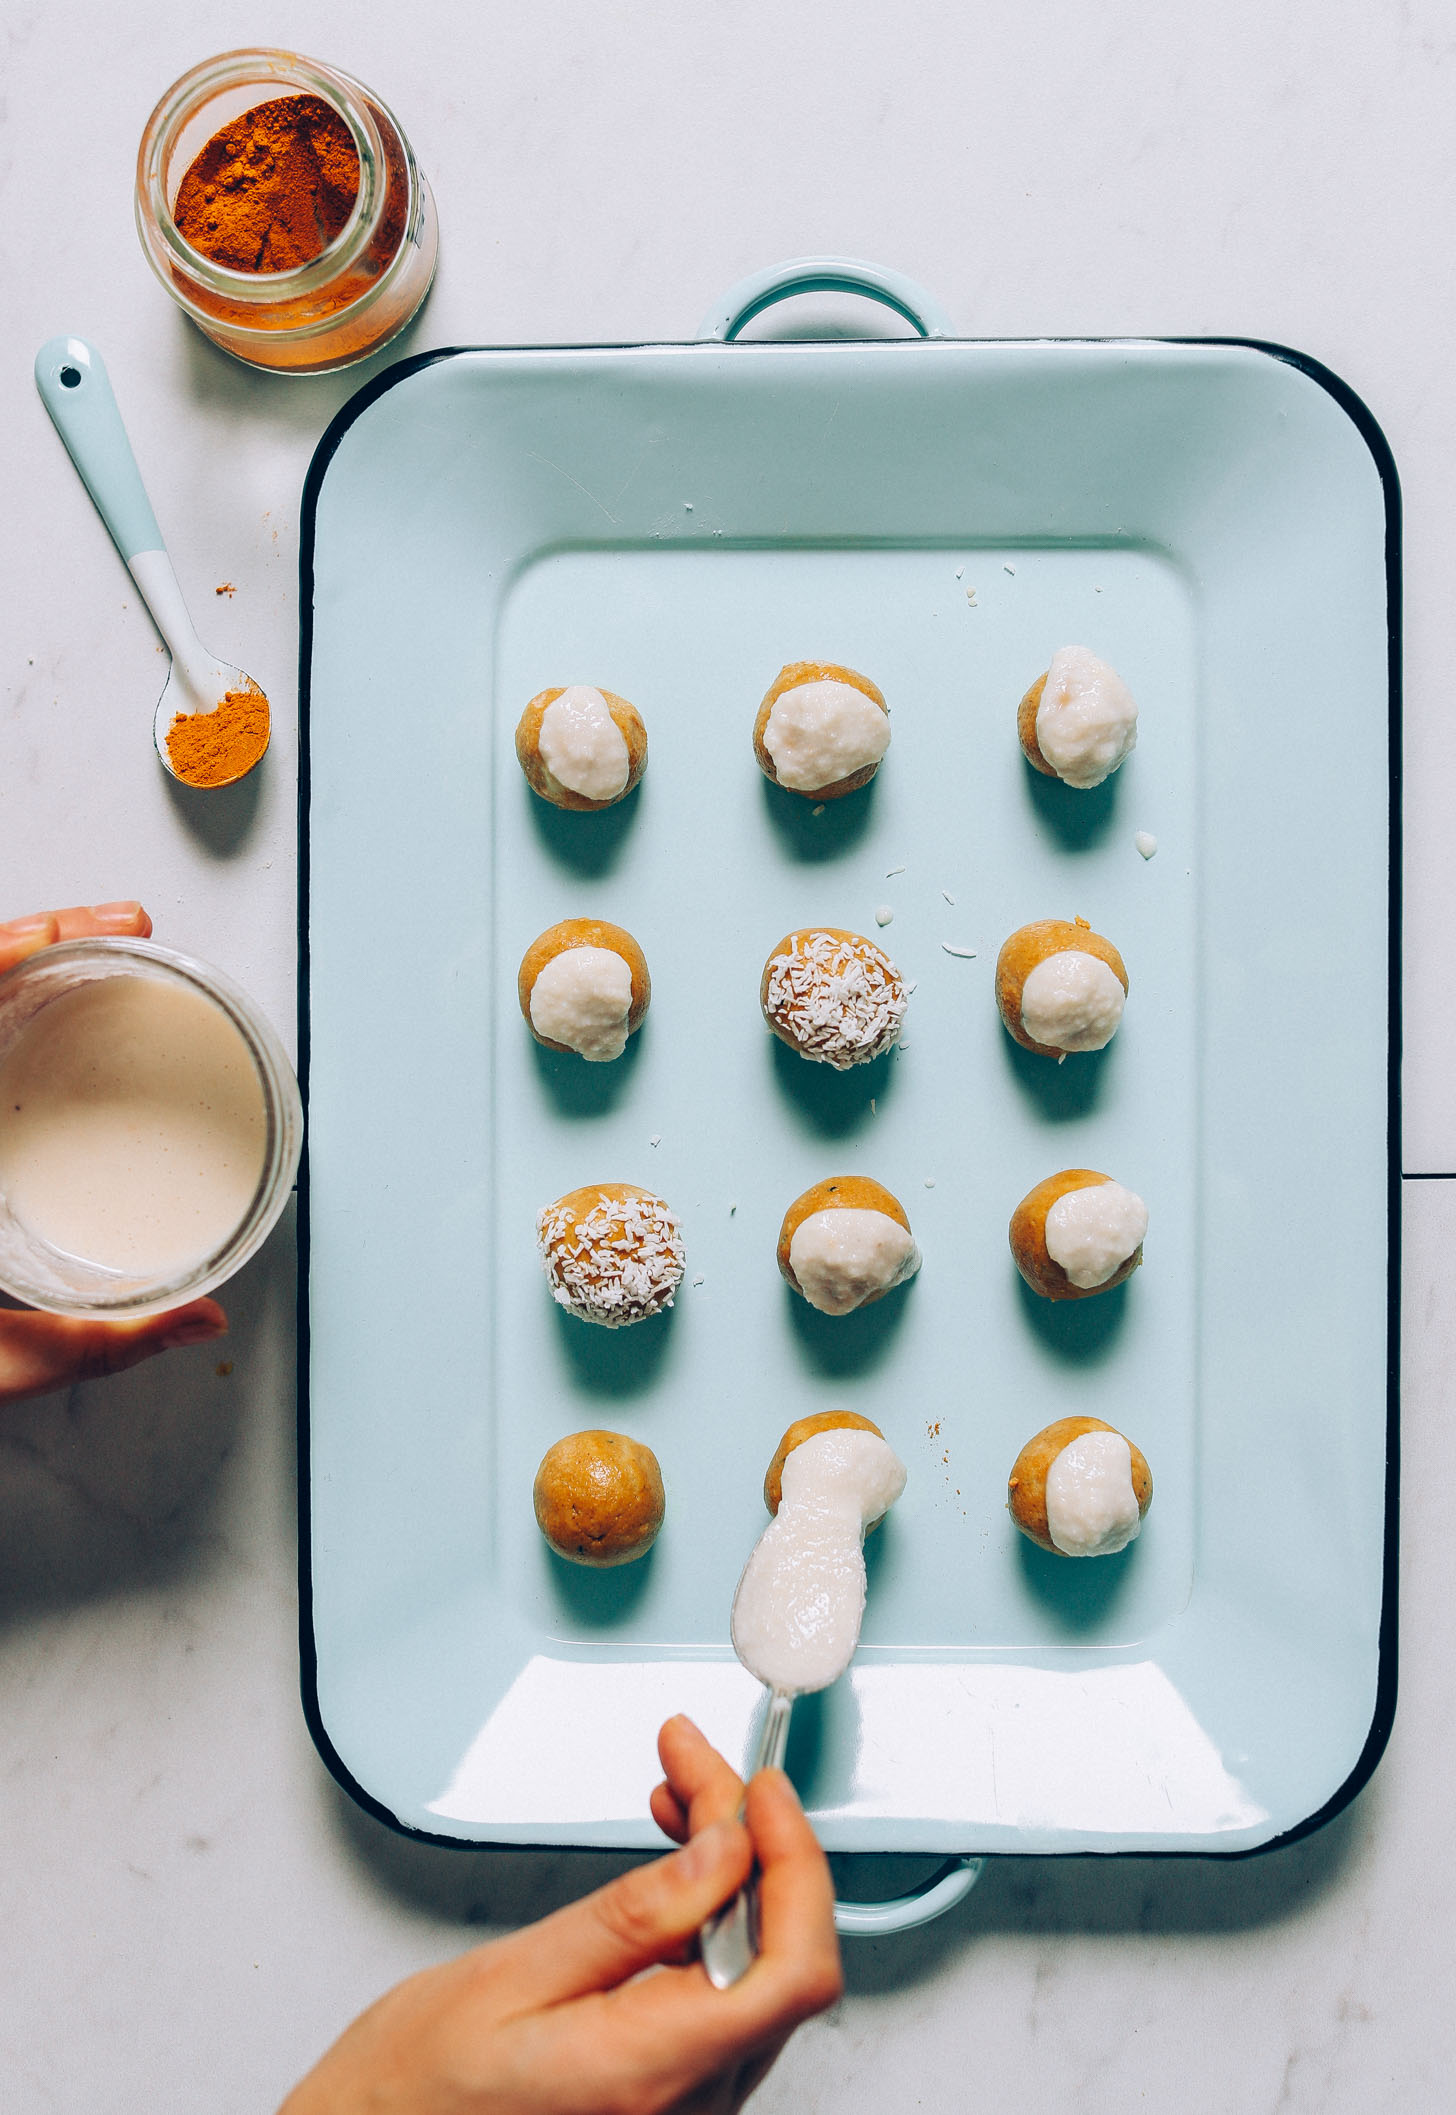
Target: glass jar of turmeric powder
{"points": [[281, 206]]}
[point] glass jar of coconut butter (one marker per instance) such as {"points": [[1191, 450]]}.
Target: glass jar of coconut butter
{"points": [[150, 1128], [280, 204]]}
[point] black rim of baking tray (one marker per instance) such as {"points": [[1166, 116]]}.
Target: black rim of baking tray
{"points": [[1383, 1715]]}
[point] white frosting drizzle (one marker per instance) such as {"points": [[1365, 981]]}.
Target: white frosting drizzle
{"points": [[842, 1255], [818, 733], [842, 1001], [1092, 1509], [1086, 721], [800, 1601], [1072, 1001], [1091, 1232], [581, 744], [582, 998], [622, 1261]]}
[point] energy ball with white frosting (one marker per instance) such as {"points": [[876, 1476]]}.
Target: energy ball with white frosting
{"points": [[583, 987], [599, 1498], [612, 1253], [581, 747], [821, 730], [1078, 1233], [1060, 987], [846, 1243], [801, 1599], [1079, 1489], [1077, 722], [833, 996]]}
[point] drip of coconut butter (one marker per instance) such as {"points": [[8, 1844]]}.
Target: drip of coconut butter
{"points": [[1092, 1508], [582, 997], [843, 1256], [1091, 1232], [1072, 1001], [581, 744], [800, 1602], [1086, 721], [819, 733]]}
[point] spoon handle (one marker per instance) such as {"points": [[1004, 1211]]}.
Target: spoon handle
{"points": [[728, 1941], [76, 390]]}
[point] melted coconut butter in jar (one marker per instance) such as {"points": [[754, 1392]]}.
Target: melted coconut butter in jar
{"points": [[132, 1126]]}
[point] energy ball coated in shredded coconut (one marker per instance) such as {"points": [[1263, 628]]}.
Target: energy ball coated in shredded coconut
{"points": [[612, 1253], [833, 996]]}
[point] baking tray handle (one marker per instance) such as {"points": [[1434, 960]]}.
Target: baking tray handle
{"points": [[824, 275], [872, 1920]]}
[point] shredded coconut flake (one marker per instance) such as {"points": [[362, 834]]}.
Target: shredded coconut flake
{"points": [[618, 1264], [893, 871], [948, 896], [967, 954], [841, 1002]]}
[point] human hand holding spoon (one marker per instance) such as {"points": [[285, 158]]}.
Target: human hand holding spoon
{"points": [[799, 1606], [212, 723]]}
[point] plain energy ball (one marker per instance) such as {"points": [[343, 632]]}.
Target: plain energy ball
{"points": [[599, 1498]]}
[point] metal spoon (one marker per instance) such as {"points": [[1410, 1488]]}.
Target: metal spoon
{"points": [[76, 390], [728, 1941]]}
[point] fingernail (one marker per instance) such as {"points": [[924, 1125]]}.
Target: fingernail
{"points": [[38, 922], [117, 913], [705, 1853], [197, 1329]]}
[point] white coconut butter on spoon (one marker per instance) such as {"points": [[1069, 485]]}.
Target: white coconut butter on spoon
{"points": [[797, 1616], [800, 1602]]}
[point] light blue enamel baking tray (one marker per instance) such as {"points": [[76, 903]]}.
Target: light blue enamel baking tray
{"points": [[675, 522]]}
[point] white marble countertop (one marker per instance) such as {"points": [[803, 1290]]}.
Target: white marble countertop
{"points": [[192, 1908]]}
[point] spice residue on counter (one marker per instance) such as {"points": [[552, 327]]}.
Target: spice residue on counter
{"points": [[214, 748], [273, 189]]}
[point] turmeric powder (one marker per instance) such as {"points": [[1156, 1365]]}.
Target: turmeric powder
{"points": [[273, 188], [214, 748]]}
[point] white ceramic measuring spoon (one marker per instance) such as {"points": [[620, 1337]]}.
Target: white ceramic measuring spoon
{"points": [[728, 1942], [76, 390]]}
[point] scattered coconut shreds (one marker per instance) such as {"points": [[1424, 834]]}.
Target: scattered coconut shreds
{"points": [[971, 597], [891, 872], [948, 897], [1146, 843], [930, 1182], [873, 1110], [619, 1263], [960, 572], [731, 1210], [966, 954], [819, 810], [840, 1001], [884, 914], [656, 1139], [699, 1281], [1009, 569]]}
